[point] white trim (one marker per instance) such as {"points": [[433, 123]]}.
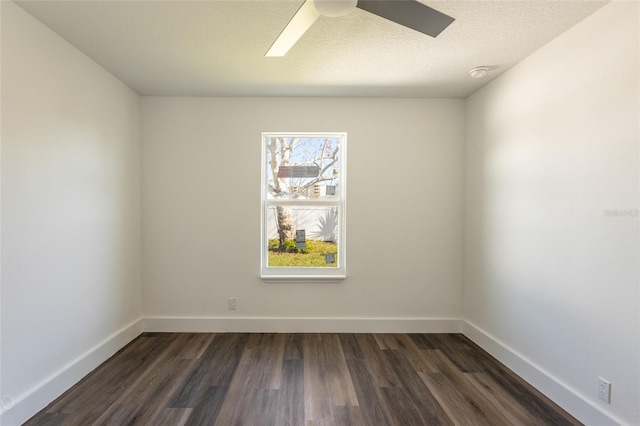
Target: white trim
{"points": [[330, 202], [562, 394], [301, 325], [337, 278], [27, 405]]}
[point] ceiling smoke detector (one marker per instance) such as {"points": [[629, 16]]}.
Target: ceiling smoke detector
{"points": [[478, 72]]}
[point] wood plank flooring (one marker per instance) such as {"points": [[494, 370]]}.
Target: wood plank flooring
{"points": [[302, 379]]}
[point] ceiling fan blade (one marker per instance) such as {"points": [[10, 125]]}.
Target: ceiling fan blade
{"points": [[297, 26], [409, 13]]}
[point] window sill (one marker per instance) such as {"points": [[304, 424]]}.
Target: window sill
{"points": [[303, 278]]}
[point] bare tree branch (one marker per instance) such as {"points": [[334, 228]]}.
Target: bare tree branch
{"points": [[321, 178]]}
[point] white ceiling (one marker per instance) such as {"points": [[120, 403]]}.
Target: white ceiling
{"points": [[216, 48]]}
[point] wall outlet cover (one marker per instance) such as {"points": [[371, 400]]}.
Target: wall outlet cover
{"points": [[604, 390]]}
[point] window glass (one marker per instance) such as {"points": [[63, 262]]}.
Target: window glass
{"points": [[303, 205]]}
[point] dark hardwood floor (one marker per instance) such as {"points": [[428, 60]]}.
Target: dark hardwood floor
{"points": [[302, 379]]}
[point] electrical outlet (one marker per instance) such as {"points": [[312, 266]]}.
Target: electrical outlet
{"points": [[604, 390], [233, 303]]}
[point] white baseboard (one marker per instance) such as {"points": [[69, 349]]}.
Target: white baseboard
{"points": [[302, 325], [560, 393], [20, 409]]}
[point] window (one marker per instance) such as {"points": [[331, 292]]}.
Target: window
{"points": [[303, 205]]}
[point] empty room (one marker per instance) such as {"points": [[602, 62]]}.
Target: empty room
{"points": [[289, 212]]}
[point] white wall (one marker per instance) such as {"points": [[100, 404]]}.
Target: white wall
{"points": [[551, 275], [71, 276], [201, 214]]}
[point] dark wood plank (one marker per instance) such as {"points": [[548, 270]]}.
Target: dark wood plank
{"points": [[260, 368], [290, 407], [501, 399], [150, 394], [412, 402], [335, 372], [120, 414], [467, 358], [223, 356], [400, 407], [293, 346], [174, 416], [206, 410], [214, 368], [374, 410], [52, 419], [348, 416], [420, 359], [424, 341], [327, 382], [535, 402], [194, 344], [455, 395], [350, 347], [383, 373], [194, 386], [387, 341], [258, 409]]}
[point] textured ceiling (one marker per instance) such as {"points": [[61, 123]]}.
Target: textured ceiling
{"points": [[216, 48]]}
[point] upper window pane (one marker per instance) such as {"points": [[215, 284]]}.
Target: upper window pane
{"points": [[303, 167]]}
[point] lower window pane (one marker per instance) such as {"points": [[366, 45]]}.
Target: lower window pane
{"points": [[302, 236]]}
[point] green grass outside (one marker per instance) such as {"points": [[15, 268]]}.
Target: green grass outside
{"points": [[314, 255]]}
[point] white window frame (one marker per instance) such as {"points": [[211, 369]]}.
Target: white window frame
{"points": [[304, 273]]}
